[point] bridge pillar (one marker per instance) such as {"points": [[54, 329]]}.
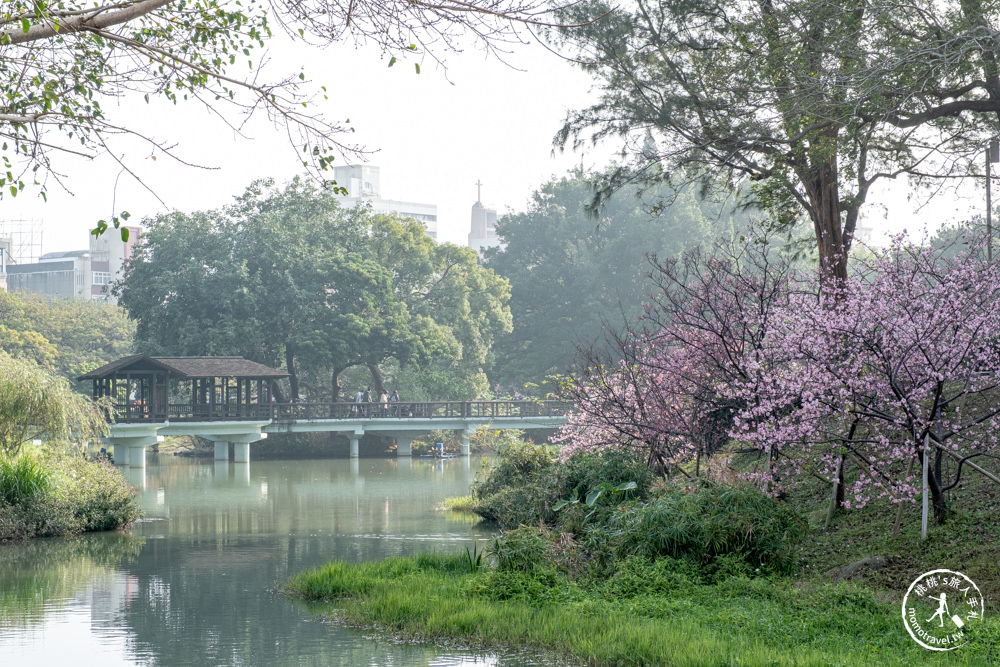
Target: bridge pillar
{"points": [[464, 448], [404, 442], [120, 455], [354, 446], [241, 452], [130, 449], [137, 457], [221, 451]]}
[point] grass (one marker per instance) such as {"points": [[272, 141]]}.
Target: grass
{"points": [[765, 621], [459, 504]]}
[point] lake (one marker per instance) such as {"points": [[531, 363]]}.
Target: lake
{"points": [[191, 584]]}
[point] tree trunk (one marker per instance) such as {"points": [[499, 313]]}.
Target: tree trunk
{"points": [[837, 497], [337, 390], [378, 381], [823, 191], [292, 377], [937, 495]]}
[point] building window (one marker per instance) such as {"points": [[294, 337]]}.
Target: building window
{"points": [[102, 278]]}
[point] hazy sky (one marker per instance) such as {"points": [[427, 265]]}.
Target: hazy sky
{"points": [[433, 135]]}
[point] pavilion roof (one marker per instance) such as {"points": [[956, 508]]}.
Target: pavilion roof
{"points": [[186, 367]]}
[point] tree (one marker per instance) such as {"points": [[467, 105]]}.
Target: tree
{"points": [[287, 275], [36, 403], [61, 61], [812, 101], [70, 337], [571, 276], [665, 387], [909, 352]]}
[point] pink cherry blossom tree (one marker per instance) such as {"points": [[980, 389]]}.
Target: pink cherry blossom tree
{"points": [[657, 391], [843, 380], [907, 348]]}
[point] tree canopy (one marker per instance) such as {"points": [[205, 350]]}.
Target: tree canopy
{"points": [[68, 336], [572, 276], [37, 403], [287, 276], [812, 101]]}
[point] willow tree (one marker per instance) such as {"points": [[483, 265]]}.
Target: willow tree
{"points": [[38, 404], [60, 62], [810, 101]]}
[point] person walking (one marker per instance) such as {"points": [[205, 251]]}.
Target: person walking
{"points": [[394, 401], [383, 403], [358, 397], [367, 401]]}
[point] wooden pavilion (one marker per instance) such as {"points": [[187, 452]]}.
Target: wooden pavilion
{"points": [[141, 388]]}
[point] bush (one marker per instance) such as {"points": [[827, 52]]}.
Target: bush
{"points": [[711, 522], [520, 550], [517, 462], [62, 495]]}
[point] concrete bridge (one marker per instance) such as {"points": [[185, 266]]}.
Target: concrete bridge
{"points": [[138, 426]]}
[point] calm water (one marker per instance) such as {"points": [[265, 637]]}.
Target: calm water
{"points": [[189, 584]]}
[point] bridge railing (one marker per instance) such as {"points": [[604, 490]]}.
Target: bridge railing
{"points": [[136, 411]]}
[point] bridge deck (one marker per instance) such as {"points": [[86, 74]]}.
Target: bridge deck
{"points": [[139, 412]]}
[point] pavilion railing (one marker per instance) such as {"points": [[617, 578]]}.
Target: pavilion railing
{"points": [[133, 411]]}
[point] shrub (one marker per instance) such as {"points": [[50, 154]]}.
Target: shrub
{"points": [[520, 550], [711, 522], [516, 463], [640, 576], [58, 494]]}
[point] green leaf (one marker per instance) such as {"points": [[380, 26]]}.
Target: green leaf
{"points": [[124, 234], [417, 66], [392, 61], [594, 495], [627, 486], [559, 505]]}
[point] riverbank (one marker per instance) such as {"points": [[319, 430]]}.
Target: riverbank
{"points": [[691, 573], [647, 614]]}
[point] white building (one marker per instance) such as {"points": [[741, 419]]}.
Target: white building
{"points": [[363, 184], [82, 274]]}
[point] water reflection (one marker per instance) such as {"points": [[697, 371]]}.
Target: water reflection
{"points": [[189, 584]]}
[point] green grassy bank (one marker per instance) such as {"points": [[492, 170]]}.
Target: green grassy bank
{"points": [[597, 562], [646, 614]]}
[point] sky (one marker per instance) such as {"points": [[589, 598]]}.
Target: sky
{"points": [[434, 135]]}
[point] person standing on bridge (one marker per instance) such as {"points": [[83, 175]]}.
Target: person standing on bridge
{"points": [[367, 409], [394, 401], [383, 403], [358, 397]]}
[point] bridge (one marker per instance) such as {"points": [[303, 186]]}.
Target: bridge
{"points": [[229, 400], [136, 429]]}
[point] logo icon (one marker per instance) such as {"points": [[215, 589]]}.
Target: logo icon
{"points": [[938, 608]]}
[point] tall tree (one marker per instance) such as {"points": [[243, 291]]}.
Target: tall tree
{"points": [[288, 276], [813, 101], [572, 276], [69, 336]]}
